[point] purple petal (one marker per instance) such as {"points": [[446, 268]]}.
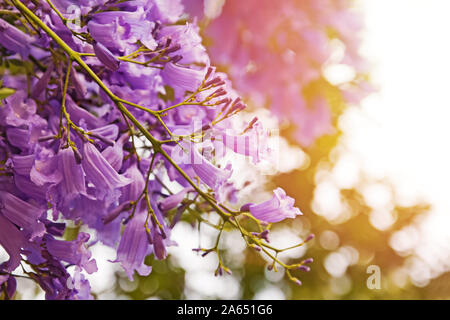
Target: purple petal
{"points": [[30, 189], [79, 83], [13, 39], [253, 144], [276, 209], [106, 57], [44, 171], [110, 131], [12, 240], [77, 114], [73, 182], [100, 172], [22, 214], [190, 42], [159, 247], [134, 247], [182, 79], [174, 200], [167, 11], [132, 191], [22, 164], [40, 86], [114, 154], [211, 175], [19, 138], [74, 252]]}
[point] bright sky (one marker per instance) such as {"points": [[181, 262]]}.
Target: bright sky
{"points": [[402, 131]]}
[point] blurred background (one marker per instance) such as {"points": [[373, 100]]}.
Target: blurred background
{"points": [[360, 89]]}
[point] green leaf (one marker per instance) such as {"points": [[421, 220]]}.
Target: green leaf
{"points": [[6, 92]]}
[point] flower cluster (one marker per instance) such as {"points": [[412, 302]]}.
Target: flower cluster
{"points": [[275, 51], [98, 104]]}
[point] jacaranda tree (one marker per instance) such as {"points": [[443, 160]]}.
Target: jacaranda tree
{"points": [[113, 119]]}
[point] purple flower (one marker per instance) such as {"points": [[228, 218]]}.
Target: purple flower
{"points": [[19, 138], [86, 170], [9, 283], [174, 200], [22, 164], [13, 39], [122, 29], [73, 252], [114, 154], [211, 175], [182, 79], [42, 83], [159, 247], [22, 213], [132, 191], [100, 172], [276, 209], [253, 144], [43, 171], [79, 83], [190, 42], [134, 247], [106, 57], [79, 115], [167, 11], [30, 189], [12, 240], [52, 276], [20, 111], [106, 134], [73, 177], [81, 285]]}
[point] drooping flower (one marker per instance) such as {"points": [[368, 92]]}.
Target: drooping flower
{"points": [[208, 173], [189, 41], [121, 30], [106, 57], [100, 172], [134, 247], [15, 40], [12, 240], [253, 143], [22, 213], [182, 79], [42, 83], [173, 200], [276, 209], [159, 247], [73, 252], [9, 284], [73, 177], [114, 154]]}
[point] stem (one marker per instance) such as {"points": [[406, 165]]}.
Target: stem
{"points": [[64, 20]]}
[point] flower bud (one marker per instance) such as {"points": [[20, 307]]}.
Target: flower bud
{"points": [[304, 268], [106, 57], [309, 238]]}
